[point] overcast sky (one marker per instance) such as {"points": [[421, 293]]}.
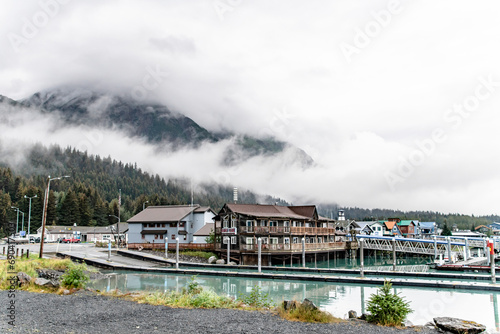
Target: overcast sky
{"points": [[396, 101]]}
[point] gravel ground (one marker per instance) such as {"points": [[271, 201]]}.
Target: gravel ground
{"points": [[86, 312]]}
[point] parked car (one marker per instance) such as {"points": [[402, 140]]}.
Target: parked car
{"points": [[34, 240], [70, 240]]}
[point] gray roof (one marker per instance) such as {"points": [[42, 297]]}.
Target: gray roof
{"points": [[363, 224], [204, 209], [170, 213], [272, 211], [205, 230]]}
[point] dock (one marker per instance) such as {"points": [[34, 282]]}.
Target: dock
{"points": [[124, 260]]}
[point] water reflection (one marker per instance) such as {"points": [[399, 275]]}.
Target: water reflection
{"points": [[337, 299]]}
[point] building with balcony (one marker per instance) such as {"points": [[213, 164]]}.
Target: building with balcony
{"points": [[281, 230], [156, 226]]}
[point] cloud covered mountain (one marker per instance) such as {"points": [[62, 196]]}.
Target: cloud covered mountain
{"points": [[152, 122]]}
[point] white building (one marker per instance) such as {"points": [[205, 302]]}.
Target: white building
{"points": [[156, 225]]}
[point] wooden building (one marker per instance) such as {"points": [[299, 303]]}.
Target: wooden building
{"points": [[281, 229]]}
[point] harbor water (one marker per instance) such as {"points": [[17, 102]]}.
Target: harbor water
{"points": [[337, 299]]}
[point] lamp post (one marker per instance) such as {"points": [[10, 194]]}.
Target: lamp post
{"points": [[118, 230], [17, 220], [22, 224], [44, 215], [143, 205], [29, 215]]}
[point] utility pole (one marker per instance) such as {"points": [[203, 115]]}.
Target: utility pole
{"points": [[29, 215], [44, 216]]}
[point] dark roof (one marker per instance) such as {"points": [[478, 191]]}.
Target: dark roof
{"points": [[205, 230], [153, 231], [170, 213], [270, 211], [305, 210]]}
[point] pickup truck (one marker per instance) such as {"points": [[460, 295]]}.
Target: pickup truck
{"points": [[70, 240]]}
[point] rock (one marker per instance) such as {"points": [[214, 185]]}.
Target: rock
{"points": [[212, 259], [289, 305], [46, 282], [220, 261], [364, 316], [306, 303], [352, 314], [66, 292], [408, 323], [23, 278], [49, 274], [430, 325], [455, 325], [231, 263]]}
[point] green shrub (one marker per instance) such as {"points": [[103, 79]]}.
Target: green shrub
{"points": [[202, 254], [256, 298], [386, 308], [75, 277], [193, 286]]}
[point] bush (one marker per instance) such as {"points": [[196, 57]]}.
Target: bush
{"points": [[75, 277], [256, 298], [386, 308]]}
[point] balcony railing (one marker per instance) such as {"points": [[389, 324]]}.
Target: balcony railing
{"points": [[287, 230], [295, 247], [230, 230]]}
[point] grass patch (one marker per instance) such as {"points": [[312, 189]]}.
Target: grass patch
{"points": [[30, 265], [306, 314], [194, 296], [205, 255]]}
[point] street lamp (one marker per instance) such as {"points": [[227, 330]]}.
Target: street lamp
{"points": [[44, 215], [17, 221], [29, 215], [143, 205], [118, 228]]}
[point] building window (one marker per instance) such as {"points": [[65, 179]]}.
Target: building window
{"points": [[265, 240], [286, 241], [274, 241], [182, 224], [262, 222], [143, 237], [225, 240], [173, 236], [295, 240], [233, 240], [161, 236], [156, 236], [249, 241]]}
